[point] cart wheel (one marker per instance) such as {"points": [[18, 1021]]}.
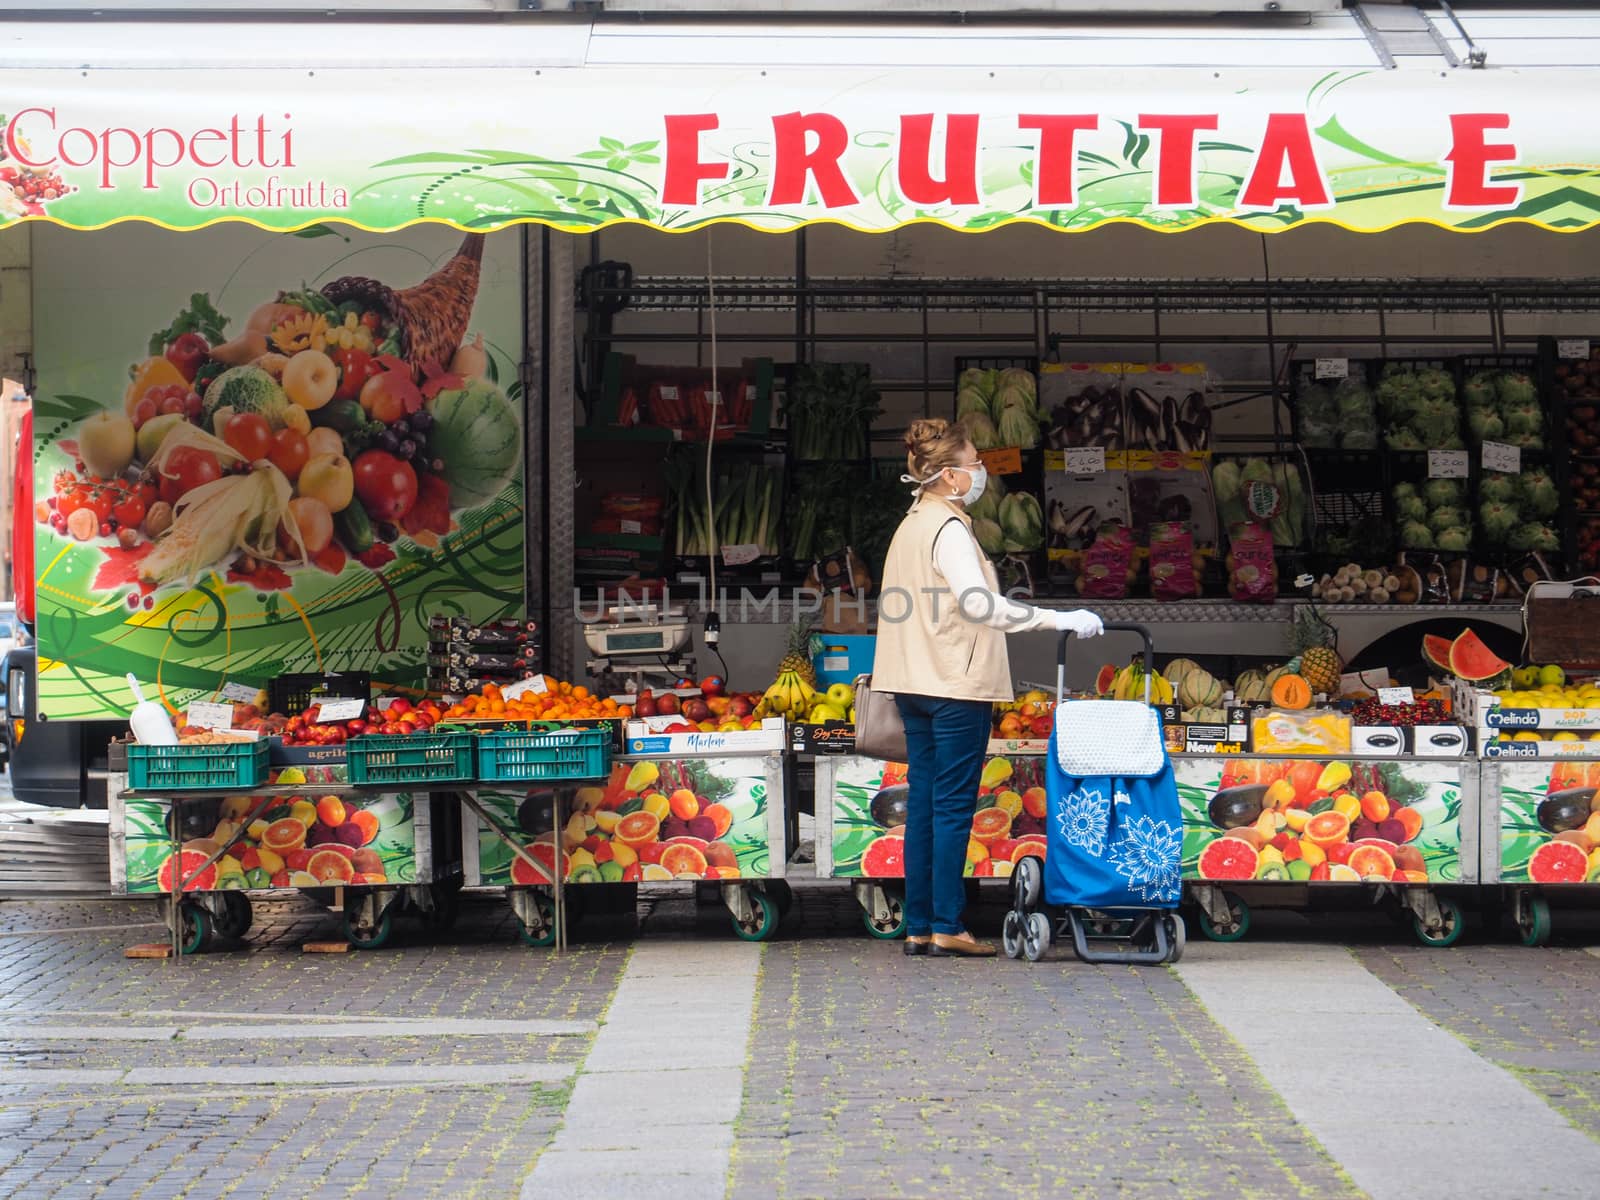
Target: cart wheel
{"points": [[193, 927], [547, 933], [1035, 936], [783, 894], [1177, 934], [1029, 883], [763, 919], [236, 917], [1238, 923], [891, 927], [1535, 929], [1450, 926], [1011, 934], [371, 938]]}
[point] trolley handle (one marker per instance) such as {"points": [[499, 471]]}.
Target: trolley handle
{"points": [[1108, 627]]}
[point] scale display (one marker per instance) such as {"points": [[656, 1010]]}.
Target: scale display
{"points": [[618, 642]]}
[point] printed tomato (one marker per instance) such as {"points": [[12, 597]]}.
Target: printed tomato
{"points": [[289, 452], [129, 510], [249, 434], [186, 469], [386, 485]]}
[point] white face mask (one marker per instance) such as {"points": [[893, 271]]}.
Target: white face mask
{"points": [[979, 475]]}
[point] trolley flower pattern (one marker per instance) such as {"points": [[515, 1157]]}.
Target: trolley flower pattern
{"points": [[1083, 818], [1148, 856]]}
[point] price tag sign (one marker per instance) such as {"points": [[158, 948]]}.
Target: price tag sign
{"points": [[1572, 347], [341, 710], [1447, 464], [1086, 460], [203, 714], [1497, 456], [525, 687], [1005, 461], [630, 526], [1333, 368], [239, 693], [738, 556], [1396, 695]]}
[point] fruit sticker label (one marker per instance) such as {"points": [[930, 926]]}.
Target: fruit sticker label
{"points": [[653, 820], [869, 817], [319, 841], [1320, 820], [258, 454], [1550, 822]]}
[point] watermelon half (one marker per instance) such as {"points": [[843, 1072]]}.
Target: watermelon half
{"points": [[1437, 651], [1471, 660]]}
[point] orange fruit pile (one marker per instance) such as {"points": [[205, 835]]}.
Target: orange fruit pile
{"points": [[559, 701]]}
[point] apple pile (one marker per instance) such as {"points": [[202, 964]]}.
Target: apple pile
{"points": [[712, 711], [1030, 715], [399, 719]]}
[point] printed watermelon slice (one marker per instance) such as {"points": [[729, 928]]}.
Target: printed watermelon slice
{"points": [[1471, 660], [1437, 651]]}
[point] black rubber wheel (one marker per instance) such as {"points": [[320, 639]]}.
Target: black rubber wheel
{"points": [[236, 917], [763, 919], [547, 912], [783, 894], [368, 939], [1450, 928], [1238, 921], [1535, 930], [1028, 887], [892, 927], [1036, 932], [1011, 933], [1177, 934], [193, 926]]}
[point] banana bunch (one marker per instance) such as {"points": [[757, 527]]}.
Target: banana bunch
{"points": [[789, 696]]}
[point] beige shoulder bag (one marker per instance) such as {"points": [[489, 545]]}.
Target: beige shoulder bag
{"points": [[879, 730]]}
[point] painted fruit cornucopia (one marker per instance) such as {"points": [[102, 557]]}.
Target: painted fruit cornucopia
{"points": [[1308, 820], [329, 427]]}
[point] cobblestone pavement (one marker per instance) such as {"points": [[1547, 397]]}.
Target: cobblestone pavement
{"points": [[866, 1074]]}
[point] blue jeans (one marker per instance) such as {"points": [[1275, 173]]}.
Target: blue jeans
{"points": [[945, 742]]}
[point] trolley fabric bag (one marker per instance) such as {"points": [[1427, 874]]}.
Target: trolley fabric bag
{"points": [[1114, 831]]}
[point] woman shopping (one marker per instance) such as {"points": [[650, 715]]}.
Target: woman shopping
{"points": [[941, 653]]}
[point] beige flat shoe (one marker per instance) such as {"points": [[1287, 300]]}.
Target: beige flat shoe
{"points": [[959, 945], [915, 947]]}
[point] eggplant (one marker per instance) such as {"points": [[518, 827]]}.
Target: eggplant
{"points": [[890, 806], [1566, 809], [1236, 807], [1169, 423]]}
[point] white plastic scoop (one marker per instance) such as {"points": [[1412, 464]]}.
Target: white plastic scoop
{"points": [[150, 723]]}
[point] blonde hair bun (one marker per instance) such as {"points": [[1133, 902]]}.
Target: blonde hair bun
{"points": [[933, 445]]}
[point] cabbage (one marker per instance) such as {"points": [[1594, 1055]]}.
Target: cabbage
{"points": [[989, 535], [1455, 538], [1517, 389], [1022, 522], [478, 436], [1437, 423], [978, 379], [1444, 518], [1534, 536], [246, 389], [1440, 492], [1414, 535], [1402, 439], [1486, 425], [1018, 427], [1480, 390], [1497, 518], [1538, 492], [1524, 418], [1502, 489], [980, 430], [1360, 438], [1225, 481], [970, 399], [1411, 508]]}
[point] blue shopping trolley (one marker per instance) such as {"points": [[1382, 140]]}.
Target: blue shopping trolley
{"points": [[1113, 833]]}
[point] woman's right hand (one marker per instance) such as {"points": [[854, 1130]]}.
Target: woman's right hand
{"points": [[1079, 621]]}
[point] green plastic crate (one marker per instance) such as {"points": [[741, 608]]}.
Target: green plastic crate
{"points": [[416, 758], [552, 753], [214, 767]]}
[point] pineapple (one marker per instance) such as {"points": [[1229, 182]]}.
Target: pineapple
{"points": [[1313, 640], [798, 652]]}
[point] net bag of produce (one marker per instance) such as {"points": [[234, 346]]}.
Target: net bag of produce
{"points": [[1114, 830]]}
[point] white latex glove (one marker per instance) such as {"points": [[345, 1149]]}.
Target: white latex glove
{"points": [[1079, 621]]}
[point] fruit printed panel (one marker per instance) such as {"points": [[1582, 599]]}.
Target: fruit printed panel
{"points": [[1550, 822], [652, 820], [1320, 820], [869, 817], [324, 841], [261, 454]]}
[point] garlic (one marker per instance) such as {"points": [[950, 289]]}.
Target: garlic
{"points": [[1378, 595]]}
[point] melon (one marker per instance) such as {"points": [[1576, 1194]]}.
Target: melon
{"points": [[1471, 660], [1437, 651], [1251, 687], [885, 858], [1180, 669], [1229, 858], [1198, 689], [1558, 862]]}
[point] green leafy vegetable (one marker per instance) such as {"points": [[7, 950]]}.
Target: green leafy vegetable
{"points": [[200, 317]]}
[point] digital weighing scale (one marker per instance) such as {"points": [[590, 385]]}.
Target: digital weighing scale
{"points": [[637, 647]]}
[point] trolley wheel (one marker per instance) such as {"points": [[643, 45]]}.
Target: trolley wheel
{"points": [[1238, 923], [192, 928], [894, 926], [236, 917], [547, 932], [782, 894], [1028, 883], [1177, 934], [762, 921], [1450, 926], [368, 937], [1035, 936], [1011, 933], [1535, 928]]}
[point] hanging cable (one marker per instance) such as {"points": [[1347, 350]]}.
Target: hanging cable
{"points": [[713, 623]]}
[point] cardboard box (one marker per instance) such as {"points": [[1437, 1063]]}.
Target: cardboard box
{"points": [[1006, 747], [830, 737], [1439, 741], [1514, 750], [841, 657], [644, 742]]}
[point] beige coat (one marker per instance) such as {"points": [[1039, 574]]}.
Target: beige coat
{"points": [[926, 646]]}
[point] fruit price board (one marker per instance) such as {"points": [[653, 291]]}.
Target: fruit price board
{"points": [[1549, 823], [653, 820], [1261, 820]]}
